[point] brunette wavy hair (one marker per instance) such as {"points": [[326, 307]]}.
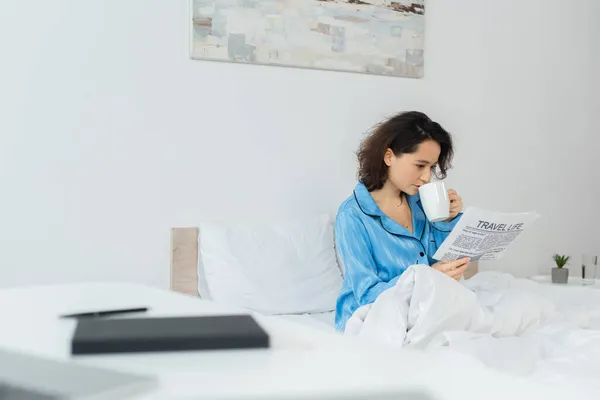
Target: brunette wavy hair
{"points": [[402, 133]]}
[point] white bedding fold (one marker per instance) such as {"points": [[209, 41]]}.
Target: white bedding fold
{"points": [[514, 325]]}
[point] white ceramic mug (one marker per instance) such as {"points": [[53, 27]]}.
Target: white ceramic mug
{"points": [[435, 201]]}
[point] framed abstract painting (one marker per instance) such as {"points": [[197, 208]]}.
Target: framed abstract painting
{"points": [[379, 37]]}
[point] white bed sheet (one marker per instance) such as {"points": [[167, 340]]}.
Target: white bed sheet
{"points": [[319, 321], [548, 334]]}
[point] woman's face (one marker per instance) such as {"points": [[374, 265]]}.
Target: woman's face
{"points": [[411, 170]]}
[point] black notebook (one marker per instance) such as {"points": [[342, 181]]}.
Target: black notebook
{"points": [[124, 335]]}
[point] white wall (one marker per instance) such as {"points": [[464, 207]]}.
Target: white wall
{"points": [[109, 134]]}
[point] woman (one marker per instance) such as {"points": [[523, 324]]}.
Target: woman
{"points": [[381, 229]]}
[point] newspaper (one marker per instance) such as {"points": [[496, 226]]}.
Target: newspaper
{"points": [[483, 235]]}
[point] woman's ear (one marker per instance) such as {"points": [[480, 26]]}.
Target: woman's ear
{"points": [[388, 156]]}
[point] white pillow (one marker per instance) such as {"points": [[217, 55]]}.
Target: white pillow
{"points": [[285, 267], [202, 284]]}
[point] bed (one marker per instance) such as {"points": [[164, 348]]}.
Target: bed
{"points": [[187, 269], [544, 333]]}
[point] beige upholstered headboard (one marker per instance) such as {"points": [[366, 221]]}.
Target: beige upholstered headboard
{"points": [[184, 261]]}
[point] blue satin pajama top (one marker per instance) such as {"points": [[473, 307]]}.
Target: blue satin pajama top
{"points": [[374, 250]]}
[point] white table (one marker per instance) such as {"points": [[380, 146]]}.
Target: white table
{"points": [[573, 281], [301, 360]]}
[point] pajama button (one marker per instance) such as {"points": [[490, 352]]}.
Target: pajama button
{"points": [[422, 254]]}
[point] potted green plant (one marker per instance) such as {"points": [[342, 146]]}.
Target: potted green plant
{"points": [[560, 274]]}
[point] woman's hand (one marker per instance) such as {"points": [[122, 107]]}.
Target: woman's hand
{"points": [[456, 204], [454, 269]]}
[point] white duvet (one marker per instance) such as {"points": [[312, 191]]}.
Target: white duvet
{"points": [[543, 332]]}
